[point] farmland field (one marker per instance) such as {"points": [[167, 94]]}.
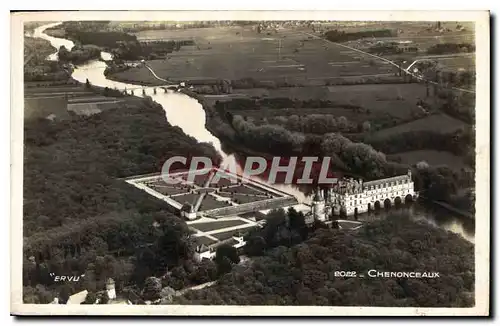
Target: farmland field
{"points": [[457, 63], [437, 122], [237, 52], [42, 101], [397, 100], [432, 157]]}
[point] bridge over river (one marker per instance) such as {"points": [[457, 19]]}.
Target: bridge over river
{"points": [[154, 89]]}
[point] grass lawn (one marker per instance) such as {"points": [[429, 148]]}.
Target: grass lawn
{"points": [[239, 52], [210, 226], [432, 157], [376, 100], [204, 240], [435, 122]]}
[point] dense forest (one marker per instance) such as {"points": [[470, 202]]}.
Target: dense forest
{"points": [[123, 46], [76, 163], [134, 50], [350, 144], [91, 32], [80, 217], [79, 54], [304, 274]]}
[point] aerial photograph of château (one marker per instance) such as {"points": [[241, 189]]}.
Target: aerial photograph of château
{"points": [[260, 113]]}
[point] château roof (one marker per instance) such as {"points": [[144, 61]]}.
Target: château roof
{"points": [[382, 181]]}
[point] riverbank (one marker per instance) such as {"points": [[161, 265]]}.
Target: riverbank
{"points": [[451, 208], [112, 77]]}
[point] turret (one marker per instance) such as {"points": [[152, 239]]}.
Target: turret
{"points": [[110, 288], [318, 206]]}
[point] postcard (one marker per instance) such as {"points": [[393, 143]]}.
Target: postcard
{"points": [[243, 162]]}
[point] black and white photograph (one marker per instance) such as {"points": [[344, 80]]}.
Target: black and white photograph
{"points": [[250, 163]]}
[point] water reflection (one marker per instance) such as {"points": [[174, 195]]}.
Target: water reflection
{"points": [[419, 211]]}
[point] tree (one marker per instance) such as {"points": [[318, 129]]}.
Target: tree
{"points": [[152, 289], [366, 126], [304, 274], [205, 272], [64, 294], [227, 251], [91, 298], [255, 246], [342, 123], [224, 265], [104, 298]]}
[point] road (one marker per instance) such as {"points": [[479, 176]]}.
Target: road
{"points": [[388, 61], [155, 75], [194, 288]]}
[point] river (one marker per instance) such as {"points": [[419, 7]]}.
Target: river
{"points": [[188, 114]]}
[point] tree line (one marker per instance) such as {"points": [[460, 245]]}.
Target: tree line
{"points": [[79, 217], [342, 36], [445, 48], [79, 54]]}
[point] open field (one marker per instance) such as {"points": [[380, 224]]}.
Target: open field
{"points": [[432, 157], [437, 122], [59, 100], [237, 52], [42, 107], [397, 100], [228, 234], [457, 63], [210, 226]]}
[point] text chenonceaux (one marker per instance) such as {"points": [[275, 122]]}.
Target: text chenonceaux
{"points": [[383, 274]]}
